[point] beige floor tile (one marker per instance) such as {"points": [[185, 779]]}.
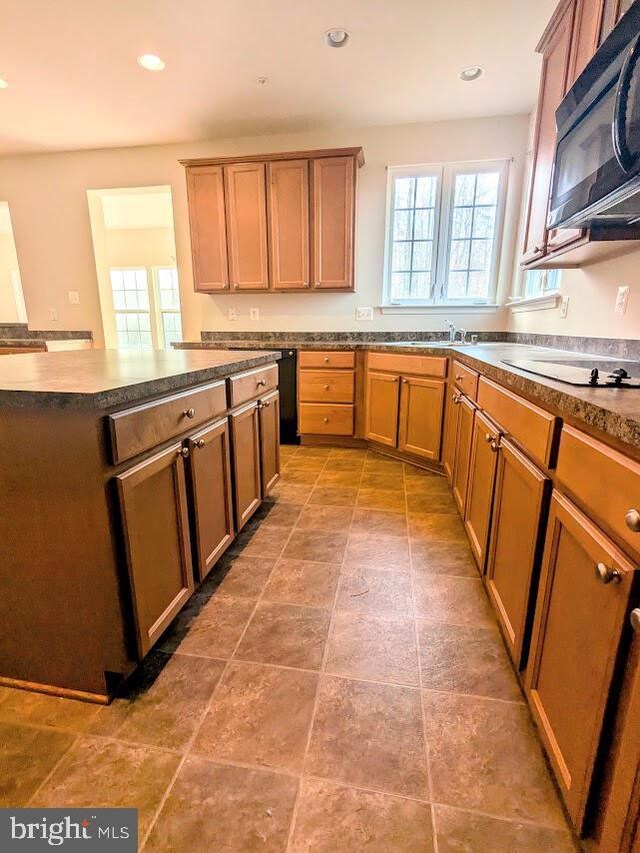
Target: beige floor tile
{"points": [[382, 499], [245, 575], [459, 601], [348, 453], [311, 451], [303, 582], [325, 518], [427, 486], [259, 715], [461, 659], [39, 709], [459, 830], [436, 527], [430, 502], [369, 735], [316, 545], [345, 479], [383, 464], [210, 630], [279, 514], [373, 648], [222, 808], [378, 522], [27, 756], [375, 591], [442, 558], [484, 756], [377, 552], [334, 496], [299, 476], [163, 703], [372, 479], [258, 541], [294, 493], [333, 818], [286, 635], [345, 463]]}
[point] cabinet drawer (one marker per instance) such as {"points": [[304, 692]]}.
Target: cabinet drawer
{"points": [[603, 480], [334, 358], [465, 379], [136, 430], [531, 427], [326, 386], [418, 365], [318, 419], [248, 386]]}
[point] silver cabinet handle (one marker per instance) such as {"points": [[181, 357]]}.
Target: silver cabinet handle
{"points": [[635, 619], [632, 520], [184, 452], [606, 575], [189, 413]]}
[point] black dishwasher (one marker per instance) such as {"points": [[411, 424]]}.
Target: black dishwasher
{"points": [[288, 382]]}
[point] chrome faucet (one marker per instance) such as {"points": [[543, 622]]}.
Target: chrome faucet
{"points": [[452, 330], [463, 336]]}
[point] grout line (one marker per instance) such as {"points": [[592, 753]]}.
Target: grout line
{"points": [[296, 805], [49, 775]]}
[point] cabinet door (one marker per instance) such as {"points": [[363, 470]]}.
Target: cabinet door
{"points": [[333, 214], [586, 34], [519, 507], [576, 637], [269, 414], [246, 208], [245, 461], [205, 192], [382, 403], [421, 405], [451, 421], [289, 224], [552, 88], [210, 469], [482, 475], [462, 454], [153, 504]]}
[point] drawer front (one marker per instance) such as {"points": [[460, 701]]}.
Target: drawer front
{"points": [[531, 427], [318, 419], [604, 481], [326, 386], [334, 358], [465, 379], [254, 383], [417, 365], [136, 430]]}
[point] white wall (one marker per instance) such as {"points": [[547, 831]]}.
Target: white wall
{"points": [[48, 200]]}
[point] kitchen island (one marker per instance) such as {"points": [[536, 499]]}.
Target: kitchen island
{"points": [[123, 479]]}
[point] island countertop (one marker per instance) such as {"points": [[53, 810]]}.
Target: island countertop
{"points": [[105, 378]]}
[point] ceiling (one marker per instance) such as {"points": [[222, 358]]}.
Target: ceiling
{"points": [[74, 82]]}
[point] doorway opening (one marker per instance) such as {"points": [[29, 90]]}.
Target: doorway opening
{"points": [[12, 306]]}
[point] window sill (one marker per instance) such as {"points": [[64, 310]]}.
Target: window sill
{"points": [[469, 308], [536, 303]]}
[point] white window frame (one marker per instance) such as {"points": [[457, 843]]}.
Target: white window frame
{"points": [[544, 298], [446, 174], [158, 302]]}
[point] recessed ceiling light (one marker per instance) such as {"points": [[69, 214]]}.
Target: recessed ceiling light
{"points": [[471, 73], [262, 81], [337, 37], [3, 84], [151, 62]]}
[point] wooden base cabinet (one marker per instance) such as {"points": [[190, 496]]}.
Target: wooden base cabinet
{"points": [[519, 511], [153, 502], [269, 421], [583, 601], [421, 408], [450, 433], [383, 406], [247, 478], [482, 475], [211, 499], [462, 453]]}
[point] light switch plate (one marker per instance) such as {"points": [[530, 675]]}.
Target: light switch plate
{"points": [[74, 297], [622, 298], [53, 314], [564, 307], [254, 313], [232, 314], [365, 314]]}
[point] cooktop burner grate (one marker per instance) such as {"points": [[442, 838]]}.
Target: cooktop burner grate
{"points": [[596, 372]]}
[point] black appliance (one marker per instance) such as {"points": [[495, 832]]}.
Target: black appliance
{"points": [[595, 372], [596, 173]]}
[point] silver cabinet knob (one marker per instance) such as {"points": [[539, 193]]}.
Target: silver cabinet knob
{"points": [[266, 404], [305, 284], [488, 438], [632, 520], [290, 352], [184, 452], [199, 443], [405, 381], [189, 413], [493, 446], [326, 420], [326, 359], [327, 387], [262, 383], [635, 619], [606, 575], [459, 377]]}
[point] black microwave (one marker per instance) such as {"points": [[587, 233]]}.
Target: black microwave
{"points": [[596, 172]]}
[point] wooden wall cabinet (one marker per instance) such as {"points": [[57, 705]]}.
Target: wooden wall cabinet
{"points": [[482, 474], [583, 601], [274, 222], [153, 502]]}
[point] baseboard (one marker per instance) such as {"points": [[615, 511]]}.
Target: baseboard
{"points": [[51, 690]]}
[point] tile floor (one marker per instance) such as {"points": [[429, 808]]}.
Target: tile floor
{"points": [[338, 685]]}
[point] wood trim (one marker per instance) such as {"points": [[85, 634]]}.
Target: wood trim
{"points": [[52, 690], [315, 154], [552, 26]]}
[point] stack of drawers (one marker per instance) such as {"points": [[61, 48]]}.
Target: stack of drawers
{"points": [[326, 391]]}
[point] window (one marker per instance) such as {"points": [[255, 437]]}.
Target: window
{"points": [[146, 318], [168, 298], [541, 283], [444, 226]]}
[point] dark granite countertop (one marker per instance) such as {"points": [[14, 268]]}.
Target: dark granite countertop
{"points": [[22, 343], [105, 378], [613, 412]]}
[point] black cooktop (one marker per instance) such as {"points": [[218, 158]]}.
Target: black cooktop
{"points": [[595, 372]]}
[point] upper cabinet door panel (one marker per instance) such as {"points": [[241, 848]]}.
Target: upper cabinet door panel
{"points": [[205, 191], [289, 224], [552, 88], [586, 32], [333, 182], [246, 208]]}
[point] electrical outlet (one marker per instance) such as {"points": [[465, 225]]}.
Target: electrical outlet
{"points": [[364, 313], [74, 297], [254, 313], [232, 314], [622, 298], [564, 307], [53, 314]]}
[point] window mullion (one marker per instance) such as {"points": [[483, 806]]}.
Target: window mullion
{"points": [[443, 237]]}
